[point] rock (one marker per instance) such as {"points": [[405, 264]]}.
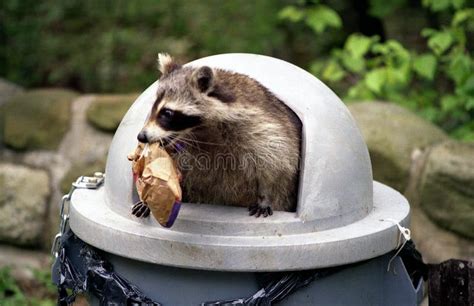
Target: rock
{"points": [[446, 189], [83, 143], [37, 119], [82, 146], [24, 196], [392, 133], [437, 244], [8, 90], [106, 112]]}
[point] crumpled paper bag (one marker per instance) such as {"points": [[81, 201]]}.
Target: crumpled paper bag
{"points": [[157, 182]]}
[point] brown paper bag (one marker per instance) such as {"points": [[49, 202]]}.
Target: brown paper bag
{"points": [[157, 182]]}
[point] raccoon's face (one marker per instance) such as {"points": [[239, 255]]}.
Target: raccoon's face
{"points": [[185, 100]]}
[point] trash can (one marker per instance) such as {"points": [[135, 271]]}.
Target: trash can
{"points": [[216, 253]]}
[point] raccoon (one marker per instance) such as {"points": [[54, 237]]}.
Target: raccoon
{"points": [[234, 141]]}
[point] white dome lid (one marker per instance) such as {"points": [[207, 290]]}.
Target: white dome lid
{"points": [[336, 193]]}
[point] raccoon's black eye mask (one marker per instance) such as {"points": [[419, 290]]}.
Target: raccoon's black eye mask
{"points": [[172, 120]]}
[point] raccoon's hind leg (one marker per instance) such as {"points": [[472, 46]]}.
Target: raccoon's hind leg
{"points": [[140, 210], [272, 193], [262, 208]]}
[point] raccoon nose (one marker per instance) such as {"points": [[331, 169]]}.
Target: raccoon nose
{"points": [[142, 137]]}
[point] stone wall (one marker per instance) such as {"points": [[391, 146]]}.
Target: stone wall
{"points": [[49, 137], [40, 157]]}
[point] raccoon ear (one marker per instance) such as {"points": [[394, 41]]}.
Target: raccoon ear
{"points": [[203, 78], [166, 63]]}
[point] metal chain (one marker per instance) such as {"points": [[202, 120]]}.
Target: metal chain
{"points": [[83, 182]]}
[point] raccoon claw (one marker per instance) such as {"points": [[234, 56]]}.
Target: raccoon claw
{"points": [[257, 211], [140, 210]]}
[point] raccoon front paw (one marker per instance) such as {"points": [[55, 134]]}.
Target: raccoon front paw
{"points": [[140, 210], [260, 209]]}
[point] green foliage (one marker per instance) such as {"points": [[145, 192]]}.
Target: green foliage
{"points": [[37, 119], [11, 293], [425, 65], [318, 17], [442, 5], [111, 46], [438, 83], [44, 279]]}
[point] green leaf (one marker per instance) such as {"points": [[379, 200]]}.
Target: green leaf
{"points": [[468, 87], [449, 103], [333, 72], [380, 48], [425, 65], [396, 46], [462, 16], [457, 4], [358, 45], [440, 41], [469, 104], [459, 67], [291, 13], [359, 92], [398, 76], [353, 64], [427, 32], [459, 36], [321, 17], [316, 67], [401, 54], [375, 79]]}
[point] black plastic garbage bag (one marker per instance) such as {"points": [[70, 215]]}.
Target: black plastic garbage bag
{"points": [[91, 274]]}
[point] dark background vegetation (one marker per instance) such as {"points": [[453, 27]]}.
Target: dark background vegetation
{"points": [[111, 46]]}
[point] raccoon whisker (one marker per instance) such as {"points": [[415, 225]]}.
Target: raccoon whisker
{"points": [[205, 142], [187, 143], [183, 151], [194, 145], [199, 141], [180, 138], [173, 139]]}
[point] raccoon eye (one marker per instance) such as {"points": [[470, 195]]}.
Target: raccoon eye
{"points": [[176, 121], [166, 113]]}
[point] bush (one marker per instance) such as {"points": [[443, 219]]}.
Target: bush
{"points": [[437, 83], [111, 46]]}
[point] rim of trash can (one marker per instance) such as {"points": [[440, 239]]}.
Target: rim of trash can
{"points": [[139, 239]]}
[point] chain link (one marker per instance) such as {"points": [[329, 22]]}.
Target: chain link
{"points": [[83, 182]]}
